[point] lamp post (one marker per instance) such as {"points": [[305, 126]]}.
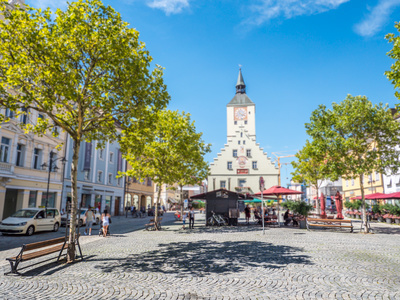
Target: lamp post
{"points": [[50, 168]]}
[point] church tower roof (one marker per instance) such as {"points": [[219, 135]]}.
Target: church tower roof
{"points": [[240, 99]]}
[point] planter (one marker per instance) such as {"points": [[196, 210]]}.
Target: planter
{"points": [[380, 219], [303, 224], [397, 221], [389, 220]]}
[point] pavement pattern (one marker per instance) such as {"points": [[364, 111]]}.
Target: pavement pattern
{"points": [[218, 263]]}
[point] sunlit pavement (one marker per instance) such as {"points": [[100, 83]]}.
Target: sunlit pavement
{"points": [[217, 263]]}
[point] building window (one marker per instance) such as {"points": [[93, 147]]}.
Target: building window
{"points": [[245, 122], [376, 176], [111, 157], [20, 155], [32, 199], [101, 153], [254, 165], [222, 184], [5, 149], [235, 122], [347, 183], [229, 165], [244, 142], [37, 155], [238, 142], [119, 181], [40, 116], [149, 181], [86, 174], [241, 134], [352, 181], [24, 116], [248, 152], [234, 153], [110, 178], [99, 176], [242, 182], [9, 113]]}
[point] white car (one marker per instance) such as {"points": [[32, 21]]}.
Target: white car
{"points": [[30, 220], [82, 218]]}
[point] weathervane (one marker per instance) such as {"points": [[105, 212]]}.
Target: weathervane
{"points": [[240, 66]]}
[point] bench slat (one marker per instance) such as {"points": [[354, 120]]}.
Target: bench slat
{"points": [[329, 225], [328, 220], [36, 254], [37, 245]]}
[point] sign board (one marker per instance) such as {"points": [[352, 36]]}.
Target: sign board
{"points": [[242, 171], [185, 203], [262, 184]]}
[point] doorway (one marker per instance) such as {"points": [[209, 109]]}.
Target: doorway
{"points": [[10, 203], [116, 206]]}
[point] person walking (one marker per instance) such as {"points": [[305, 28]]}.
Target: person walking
{"points": [[105, 217], [184, 220], [247, 214], [191, 218], [89, 221]]}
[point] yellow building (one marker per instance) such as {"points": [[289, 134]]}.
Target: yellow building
{"points": [[373, 183], [24, 166], [138, 193]]}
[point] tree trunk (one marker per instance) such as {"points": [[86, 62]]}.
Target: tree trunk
{"points": [[156, 208], [181, 186], [74, 202], [317, 206], [364, 218]]}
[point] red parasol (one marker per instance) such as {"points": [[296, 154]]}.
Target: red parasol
{"points": [[339, 205], [375, 196], [322, 202], [278, 191], [391, 196], [356, 198]]}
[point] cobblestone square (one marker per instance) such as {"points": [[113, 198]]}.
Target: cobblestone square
{"points": [[219, 263]]}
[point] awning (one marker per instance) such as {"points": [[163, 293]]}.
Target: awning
{"points": [[172, 200]]}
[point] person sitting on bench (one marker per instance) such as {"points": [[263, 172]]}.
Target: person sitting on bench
{"points": [[287, 218]]}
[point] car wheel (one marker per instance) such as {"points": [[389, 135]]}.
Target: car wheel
{"points": [[56, 227], [97, 221], [30, 230]]}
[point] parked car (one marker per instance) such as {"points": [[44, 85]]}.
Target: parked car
{"points": [[30, 220], [81, 218]]}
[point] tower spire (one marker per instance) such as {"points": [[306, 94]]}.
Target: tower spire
{"points": [[240, 85]]}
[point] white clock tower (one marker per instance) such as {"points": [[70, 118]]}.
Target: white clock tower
{"points": [[241, 162]]}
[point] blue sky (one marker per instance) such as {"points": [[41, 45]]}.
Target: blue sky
{"points": [[296, 55]]}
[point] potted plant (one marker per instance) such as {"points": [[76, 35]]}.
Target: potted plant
{"points": [[303, 209]]}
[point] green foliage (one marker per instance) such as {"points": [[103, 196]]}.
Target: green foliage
{"points": [[394, 74], [310, 166], [348, 204], [376, 209], [299, 207], [198, 205], [172, 153], [391, 209]]}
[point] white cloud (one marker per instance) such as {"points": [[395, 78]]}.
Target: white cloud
{"points": [[266, 10], [169, 6], [377, 18]]}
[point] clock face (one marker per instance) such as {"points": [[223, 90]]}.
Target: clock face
{"points": [[240, 113]]}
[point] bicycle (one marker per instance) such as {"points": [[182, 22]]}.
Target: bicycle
{"points": [[217, 220]]}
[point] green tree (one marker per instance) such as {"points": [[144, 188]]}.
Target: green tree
{"points": [[394, 74], [173, 153], [357, 138], [84, 68], [310, 167]]}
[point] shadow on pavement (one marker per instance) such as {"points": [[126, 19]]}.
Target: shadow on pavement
{"points": [[202, 258]]}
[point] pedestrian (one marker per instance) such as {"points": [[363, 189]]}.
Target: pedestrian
{"points": [[89, 221], [184, 220], [191, 218], [105, 217], [247, 214]]}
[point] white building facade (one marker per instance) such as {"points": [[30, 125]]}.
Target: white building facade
{"points": [[242, 161]]}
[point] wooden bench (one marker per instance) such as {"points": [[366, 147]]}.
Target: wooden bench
{"points": [[152, 224], [39, 249], [273, 220], [313, 222]]}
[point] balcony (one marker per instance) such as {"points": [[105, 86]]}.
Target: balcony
{"points": [[6, 169]]}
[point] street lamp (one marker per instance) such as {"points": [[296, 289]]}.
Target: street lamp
{"points": [[51, 168]]}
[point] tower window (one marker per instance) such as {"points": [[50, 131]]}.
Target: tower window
{"points": [[244, 142], [229, 165], [254, 165], [235, 122], [222, 184], [241, 134], [234, 154], [245, 122], [238, 142], [248, 152]]}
